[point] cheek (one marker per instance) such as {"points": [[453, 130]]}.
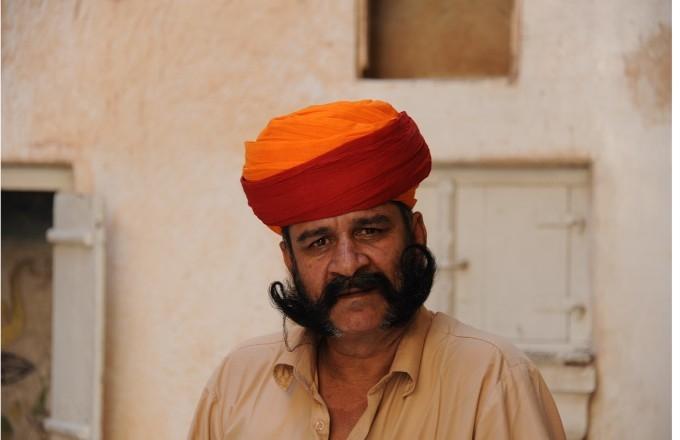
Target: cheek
{"points": [[312, 278], [388, 263]]}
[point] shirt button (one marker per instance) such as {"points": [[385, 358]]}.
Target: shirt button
{"points": [[319, 426]]}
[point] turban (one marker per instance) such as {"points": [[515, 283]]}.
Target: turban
{"points": [[327, 160]]}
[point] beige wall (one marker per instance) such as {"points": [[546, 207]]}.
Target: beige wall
{"points": [[151, 101]]}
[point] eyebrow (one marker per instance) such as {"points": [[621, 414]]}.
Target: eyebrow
{"points": [[378, 219], [309, 233]]}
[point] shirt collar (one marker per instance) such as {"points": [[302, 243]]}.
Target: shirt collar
{"points": [[300, 362], [297, 359], [409, 354]]}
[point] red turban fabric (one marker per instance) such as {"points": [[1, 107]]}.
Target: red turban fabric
{"points": [[327, 160]]}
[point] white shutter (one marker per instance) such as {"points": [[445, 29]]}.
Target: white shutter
{"points": [[524, 236], [512, 249], [434, 201], [78, 317], [523, 272], [579, 283]]}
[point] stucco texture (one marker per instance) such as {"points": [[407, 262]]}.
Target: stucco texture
{"points": [[150, 103]]}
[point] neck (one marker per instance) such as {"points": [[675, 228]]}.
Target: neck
{"points": [[360, 358]]}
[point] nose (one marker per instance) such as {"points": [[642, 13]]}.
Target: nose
{"points": [[347, 258]]}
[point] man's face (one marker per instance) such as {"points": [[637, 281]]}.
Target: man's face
{"points": [[371, 241]]}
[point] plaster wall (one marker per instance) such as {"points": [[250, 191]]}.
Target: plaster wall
{"points": [[150, 103]]}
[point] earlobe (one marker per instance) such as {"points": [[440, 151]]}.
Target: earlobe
{"points": [[285, 253], [419, 230]]}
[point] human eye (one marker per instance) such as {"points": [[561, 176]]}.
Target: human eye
{"points": [[368, 232], [318, 243]]}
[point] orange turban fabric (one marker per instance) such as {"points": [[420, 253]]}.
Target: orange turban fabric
{"points": [[331, 159]]}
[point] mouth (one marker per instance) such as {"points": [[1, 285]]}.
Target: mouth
{"points": [[355, 292]]}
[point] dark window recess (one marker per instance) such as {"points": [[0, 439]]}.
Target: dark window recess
{"points": [[26, 214], [438, 38]]}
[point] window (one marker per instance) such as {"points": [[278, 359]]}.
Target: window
{"points": [[71, 405], [435, 38]]}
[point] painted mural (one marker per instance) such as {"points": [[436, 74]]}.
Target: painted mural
{"points": [[26, 337]]}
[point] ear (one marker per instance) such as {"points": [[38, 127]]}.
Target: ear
{"points": [[287, 257], [418, 229]]}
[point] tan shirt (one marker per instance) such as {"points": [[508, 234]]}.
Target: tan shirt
{"points": [[447, 381]]}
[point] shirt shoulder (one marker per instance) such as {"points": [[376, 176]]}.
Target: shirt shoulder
{"points": [[258, 343], [452, 337], [498, 376], [251, 361]]}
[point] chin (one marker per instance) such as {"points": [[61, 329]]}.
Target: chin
{"points": [[362, 314]]}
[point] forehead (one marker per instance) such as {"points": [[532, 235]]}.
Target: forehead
{"points": [[387, 211]]}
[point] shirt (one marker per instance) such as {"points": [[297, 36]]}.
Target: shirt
{"points": [[447, 381]]}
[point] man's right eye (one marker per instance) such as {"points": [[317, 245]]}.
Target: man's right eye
{"points": [[321, 242]]}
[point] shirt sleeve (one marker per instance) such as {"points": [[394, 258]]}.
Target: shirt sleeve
{"points": [[206, 424], [519, 406]]}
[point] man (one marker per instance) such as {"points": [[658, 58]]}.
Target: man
{"points": [[367, 360]]}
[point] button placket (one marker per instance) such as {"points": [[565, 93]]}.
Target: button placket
{"points": [[320, 417], [319, 426]]}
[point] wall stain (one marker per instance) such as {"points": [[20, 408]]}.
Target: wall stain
{"points": [[76, 10], [648, 73]]}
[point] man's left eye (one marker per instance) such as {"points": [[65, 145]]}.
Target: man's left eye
{"points": [[368, 232]]}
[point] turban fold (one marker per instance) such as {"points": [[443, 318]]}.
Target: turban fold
{"points": [[327, 160]]}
